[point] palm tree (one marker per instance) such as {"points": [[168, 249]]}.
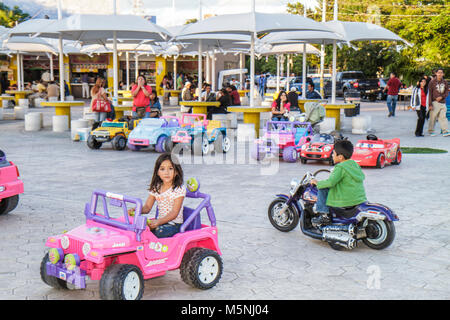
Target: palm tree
{"points": [[10, 17]]}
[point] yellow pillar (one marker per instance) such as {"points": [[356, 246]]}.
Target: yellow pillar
{"points": [[67, 76], [160, 73], [110, 71], [13, 67]]}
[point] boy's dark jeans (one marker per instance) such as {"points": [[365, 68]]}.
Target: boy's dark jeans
{"points": [[167, 230], [321, 204]]}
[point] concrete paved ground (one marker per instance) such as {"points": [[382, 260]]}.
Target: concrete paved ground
{"points": [[259, 261]]}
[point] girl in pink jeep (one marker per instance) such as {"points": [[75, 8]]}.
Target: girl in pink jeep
{"points": [[166, 188]]}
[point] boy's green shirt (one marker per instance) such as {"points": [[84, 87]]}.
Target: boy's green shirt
{"points": [[345, 185]]}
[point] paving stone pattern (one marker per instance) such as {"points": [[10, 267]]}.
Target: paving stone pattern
{"points": [[259, 261]]}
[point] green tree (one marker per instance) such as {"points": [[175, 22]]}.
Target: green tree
{"points": [[9, 17], [424, 24]]}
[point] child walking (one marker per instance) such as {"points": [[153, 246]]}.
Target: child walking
{"points": [[166, 188]]}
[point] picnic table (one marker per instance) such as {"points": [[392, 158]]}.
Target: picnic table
{"points": [[173, 93], [5, 98], [243, 92], [62, 108], [251, 115], [19, 94], [334, 111], [200, 106]]}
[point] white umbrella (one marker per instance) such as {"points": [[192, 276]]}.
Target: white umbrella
{"points": [[357, 31], [250, 24], [20, 45], [89, 29]]}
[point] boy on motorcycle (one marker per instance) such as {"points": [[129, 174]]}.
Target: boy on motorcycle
{"points": [[343, 188]]}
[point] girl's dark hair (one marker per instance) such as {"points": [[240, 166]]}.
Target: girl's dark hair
{"points": [[156, 183], [278, 100], [141, 75], [426, 84], [344, 147]]}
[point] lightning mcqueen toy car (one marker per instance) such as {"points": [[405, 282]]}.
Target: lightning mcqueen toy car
{"points": [[374, 152]]}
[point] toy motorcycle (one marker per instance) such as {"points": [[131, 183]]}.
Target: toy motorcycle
{"points": [[370, 222]]}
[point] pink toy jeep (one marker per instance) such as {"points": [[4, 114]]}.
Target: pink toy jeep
{"points": [[122, 252], [10, 185], [182, 136]]}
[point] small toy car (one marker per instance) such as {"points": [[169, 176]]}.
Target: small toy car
{"points": [[182, 136], [282, 139], [374, 152], [318, 147], [10, 185], [154, 132], [121, 251], [206, 135], [116, 132]]}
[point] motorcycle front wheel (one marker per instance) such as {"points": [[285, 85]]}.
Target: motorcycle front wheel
{"points": [[285, 221]]}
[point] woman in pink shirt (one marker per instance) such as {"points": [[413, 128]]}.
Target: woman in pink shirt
{"points": [[141, 98], [280, 106]]}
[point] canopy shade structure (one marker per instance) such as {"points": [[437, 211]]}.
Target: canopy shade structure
{"points": [[316, 37], [89, 29], [98, 29], [27, 44], [251, 24], [246, 23], [362, 31]]}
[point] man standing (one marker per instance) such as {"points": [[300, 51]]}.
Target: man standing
{"points": [[85, 85], [437, 93], [262, 84], [392, 87]]}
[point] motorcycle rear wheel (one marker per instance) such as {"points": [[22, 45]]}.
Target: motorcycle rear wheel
{"points": [[380, 234], [285, 222]]}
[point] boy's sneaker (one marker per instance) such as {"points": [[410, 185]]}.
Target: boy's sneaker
{"points": [[323, 219], [446, 134]]}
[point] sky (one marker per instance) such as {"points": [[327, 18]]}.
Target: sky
{"points": [[162, 9]]}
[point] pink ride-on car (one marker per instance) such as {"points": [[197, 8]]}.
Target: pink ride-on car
{"points": [[10, 185], [122, 252]]}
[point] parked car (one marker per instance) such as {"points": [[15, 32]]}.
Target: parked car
{"points": [[382, 95], [369, 88], [298, 81], [121, 251], [10, 185]]}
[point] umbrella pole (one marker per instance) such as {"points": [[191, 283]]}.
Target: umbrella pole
{"points": [[252, 69], [304, 72], [175, 72], [278, 73], [241, 66], [333, 84], [115, 80], [208, 68], [19, 77], [287, 73], [136, 65], [61, 69], [128, 70], [52, 75], [22, 80], [213, 69], [200, 71], [322, 66]]}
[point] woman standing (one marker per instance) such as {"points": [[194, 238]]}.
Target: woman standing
{"points": [[99, 103], [280, 106], [419, 103], [141, 98]]}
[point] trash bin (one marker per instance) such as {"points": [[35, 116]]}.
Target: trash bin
{"points": [[352, 96]]}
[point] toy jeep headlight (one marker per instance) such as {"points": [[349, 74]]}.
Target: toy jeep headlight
{"points": [[55, 255], [71, 261], [86, 248]]}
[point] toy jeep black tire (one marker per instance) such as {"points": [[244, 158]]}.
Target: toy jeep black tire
{"points": [[114, 279], [92, 143], [119, 142], [50, 280], [194, 264]]}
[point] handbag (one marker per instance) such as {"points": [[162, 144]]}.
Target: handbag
{"points": [[99, 105]]}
